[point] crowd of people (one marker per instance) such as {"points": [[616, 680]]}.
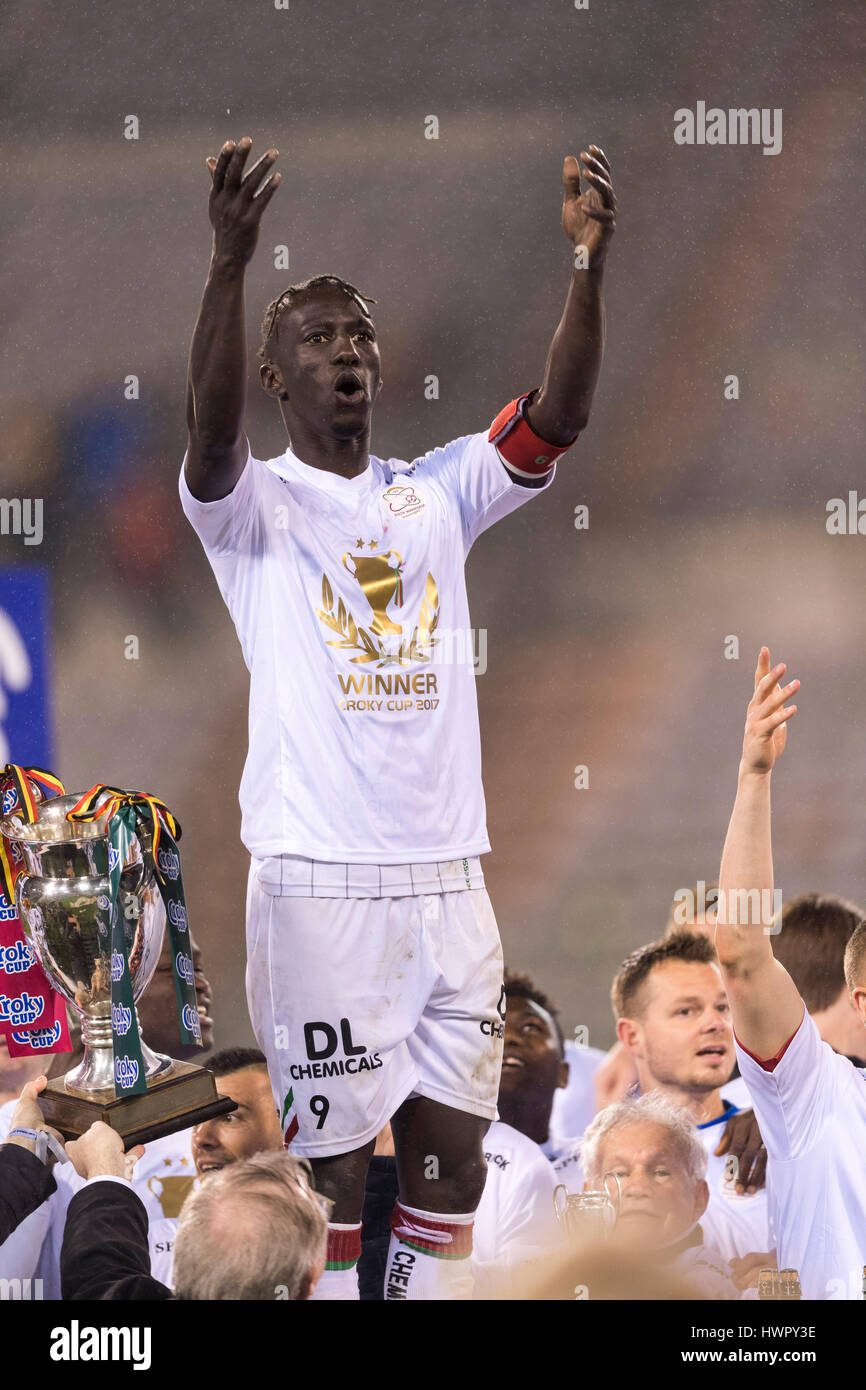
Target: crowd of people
{"points": [[720, 1138]]}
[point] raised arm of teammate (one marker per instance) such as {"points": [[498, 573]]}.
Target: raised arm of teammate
{"points": [[766, 1008], [217, 375], [560, 410]]}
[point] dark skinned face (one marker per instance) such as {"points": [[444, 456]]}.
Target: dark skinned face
{"points": [[157, 1009], [532, 1068], [327, 361]]}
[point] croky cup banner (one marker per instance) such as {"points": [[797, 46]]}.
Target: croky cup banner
{"points": [[124, 809], [51, 1036], [32, 1013]]}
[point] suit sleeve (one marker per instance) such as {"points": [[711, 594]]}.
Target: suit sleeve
{"points": [[105, 1253], [25, 1183]]}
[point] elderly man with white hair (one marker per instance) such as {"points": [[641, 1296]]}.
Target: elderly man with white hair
{"points": [[649, 1149], [254, 1230]]}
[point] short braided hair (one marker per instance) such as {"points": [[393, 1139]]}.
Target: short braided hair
{"points": [[270, 323], [520, 986]]}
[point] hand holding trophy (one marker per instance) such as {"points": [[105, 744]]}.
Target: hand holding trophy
{"points": [[99, 880]]}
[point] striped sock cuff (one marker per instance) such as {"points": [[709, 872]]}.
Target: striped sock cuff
{"points": [[447, 1237], [344, 1247]]}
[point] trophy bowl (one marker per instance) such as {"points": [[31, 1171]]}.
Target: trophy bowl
{"points": [[57, 897]]}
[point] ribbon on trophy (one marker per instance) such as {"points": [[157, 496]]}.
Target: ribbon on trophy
{"points": [[32, 1012], [18, 792], [123, 810]]}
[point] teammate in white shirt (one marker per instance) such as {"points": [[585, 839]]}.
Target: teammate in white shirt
{"points": [[810, 1101], [814, 935], [374, 969], [534, 1069], [617, 1074], [672, 1017]]}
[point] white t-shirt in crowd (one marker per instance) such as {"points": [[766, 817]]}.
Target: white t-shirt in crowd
{"points": [[734, 1224], [162, 1178], [574, 1104], [811, 1107], [515, 1221], [349, 600]]}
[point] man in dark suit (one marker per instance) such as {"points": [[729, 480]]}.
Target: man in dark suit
{"points": [[26, 1160], [105, 1251]]}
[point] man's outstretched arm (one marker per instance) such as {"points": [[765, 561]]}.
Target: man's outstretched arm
{"points": [[217, 376], [560, 410], [766, 1008]]}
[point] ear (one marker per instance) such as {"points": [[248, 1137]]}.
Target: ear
{"points": [[309, 1283], [272, 381], [858, 1000], [563, 1076], [628, 1033], [702, 1197]]}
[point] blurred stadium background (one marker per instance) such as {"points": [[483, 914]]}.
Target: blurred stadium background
{"points": [[707, 516]]}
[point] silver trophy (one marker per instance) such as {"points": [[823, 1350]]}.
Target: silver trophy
{"points": [[58, 897], [588, 1216]]}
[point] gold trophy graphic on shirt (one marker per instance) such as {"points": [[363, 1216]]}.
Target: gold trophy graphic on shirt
{"points": [[171, 1191], [380, 579], [381, 582]]}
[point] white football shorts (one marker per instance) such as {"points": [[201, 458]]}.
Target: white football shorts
{"points": [[358, 1003]]}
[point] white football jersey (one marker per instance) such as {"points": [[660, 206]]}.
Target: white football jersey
{"points": [[735, 1225], [811, 1107], [515, 1221], [349, 600], [574, 1105]]}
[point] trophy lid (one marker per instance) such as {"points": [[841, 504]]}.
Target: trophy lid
{"points": [[51, 826]]}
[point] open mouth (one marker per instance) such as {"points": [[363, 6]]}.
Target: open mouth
{"points": [[210, 1168], [349, 387], [509, 1063], [717, 1050]]}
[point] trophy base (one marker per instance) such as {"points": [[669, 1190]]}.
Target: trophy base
{"points": [[187, 1096]]}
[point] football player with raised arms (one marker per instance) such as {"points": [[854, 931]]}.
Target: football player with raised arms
{"points": [[374, 968], [810, 1101]]}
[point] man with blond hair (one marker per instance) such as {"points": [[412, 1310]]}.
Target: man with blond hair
{"points": [[254, 1230]]}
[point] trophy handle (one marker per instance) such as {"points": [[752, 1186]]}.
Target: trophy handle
{"points": [[616, 1202], [348, 556], [560, 1208]]}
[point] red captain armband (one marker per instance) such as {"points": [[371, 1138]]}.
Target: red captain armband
{"points": [[521, 448]]}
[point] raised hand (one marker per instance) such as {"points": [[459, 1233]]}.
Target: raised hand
{"points": [[766, 718], [589, 219], [236, 203]]}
